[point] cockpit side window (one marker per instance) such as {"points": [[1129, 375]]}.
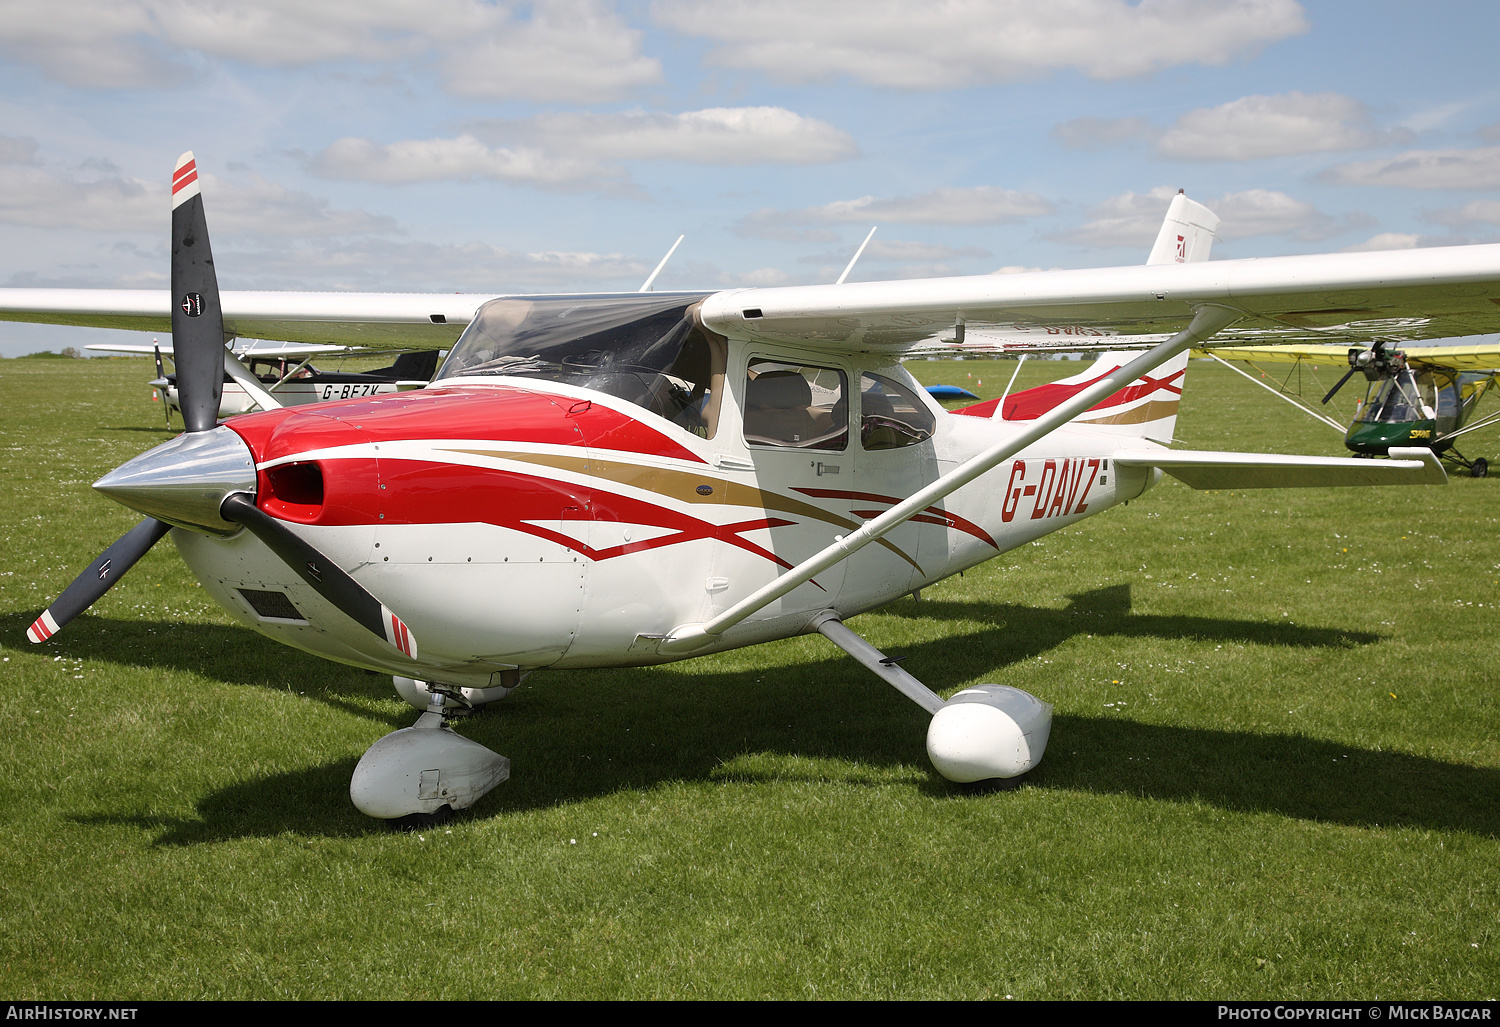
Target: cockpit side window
{"points": [[796, 406], [891, 416]]}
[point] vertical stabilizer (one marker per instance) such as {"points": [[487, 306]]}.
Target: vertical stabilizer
{"points": [[1186, 235]]}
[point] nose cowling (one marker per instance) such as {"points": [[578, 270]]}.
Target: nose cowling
{"points": [[185, 481]]}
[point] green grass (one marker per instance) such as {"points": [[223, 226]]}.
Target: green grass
{"points": [[1274, 768]]}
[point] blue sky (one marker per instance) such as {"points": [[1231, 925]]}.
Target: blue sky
{"points": [[460, 145]]}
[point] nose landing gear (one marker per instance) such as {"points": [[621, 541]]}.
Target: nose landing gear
{"points": [[423, 773]]}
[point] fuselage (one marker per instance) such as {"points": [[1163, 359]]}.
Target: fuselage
{"points": [[318, 387], [518, 524]]}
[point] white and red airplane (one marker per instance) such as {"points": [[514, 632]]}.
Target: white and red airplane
{"points": [[630, 479]]}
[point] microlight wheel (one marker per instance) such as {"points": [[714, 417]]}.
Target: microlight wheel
{"points": [[1480, 468]]}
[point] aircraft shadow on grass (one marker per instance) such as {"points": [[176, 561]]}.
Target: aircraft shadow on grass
{"points": [[578, 735]]}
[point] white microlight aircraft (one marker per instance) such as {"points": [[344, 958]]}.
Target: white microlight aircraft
{"points": [[256, 370], [629, 479]]}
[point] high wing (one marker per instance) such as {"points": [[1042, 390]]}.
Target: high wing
{"points": [[1400, 295], [372, 320], [1457, 358]]}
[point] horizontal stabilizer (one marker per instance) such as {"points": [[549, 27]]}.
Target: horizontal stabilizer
{"points": [[1209, 470]]}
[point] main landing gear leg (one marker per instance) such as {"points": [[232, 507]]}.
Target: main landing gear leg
{"points": [[1479, 467], [457, 701], [987, 733], [422, 773]]}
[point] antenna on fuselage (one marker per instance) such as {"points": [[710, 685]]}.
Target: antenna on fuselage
{"points": [[652, 278], [855, 258], [1012, 381]]}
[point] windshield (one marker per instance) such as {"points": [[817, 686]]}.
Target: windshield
{"points": [[1400, 399], [646, 349]]}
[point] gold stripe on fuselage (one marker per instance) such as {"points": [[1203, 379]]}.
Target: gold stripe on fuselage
{"points": [[682, 486]]}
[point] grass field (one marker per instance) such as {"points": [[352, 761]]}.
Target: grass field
{"points": [[1274, 769]]}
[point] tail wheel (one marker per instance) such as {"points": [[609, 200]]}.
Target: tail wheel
{"points": [[1480, 468]]}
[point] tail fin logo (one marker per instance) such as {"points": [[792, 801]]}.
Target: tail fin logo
{"points": [[1181, 249]]}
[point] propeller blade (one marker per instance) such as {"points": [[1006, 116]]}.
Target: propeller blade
{"points": [[1340, 385], [325, 576], [161, 372], [98, 578], [197, 318]]}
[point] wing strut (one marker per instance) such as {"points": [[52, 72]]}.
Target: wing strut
{"points": [[1282, 396], [1207, 321], [251, 384]]}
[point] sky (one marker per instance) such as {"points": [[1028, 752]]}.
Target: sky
{"points": [[484, 146]]}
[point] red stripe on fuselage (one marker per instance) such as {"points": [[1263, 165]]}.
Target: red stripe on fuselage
{"points": [[486, 413], [1033, 403], [934, 514]]}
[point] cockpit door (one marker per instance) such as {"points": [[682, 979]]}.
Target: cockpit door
{"points": [[786, 461]]}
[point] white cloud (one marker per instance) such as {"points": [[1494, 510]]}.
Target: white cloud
{"points": [[1268, 212], [1478, 168], [717, 135], [580, 150], [574, 50], [1130, 219], [17, 150], [963, 42], [902, 249], [905, 250], [973, 205], [1134, 219], [1386, 241], [569, 50], [257, 207], [35, 196], [1245, 129], [760, 277], [460, 158], [40, 196], [1269, 126], [1485, 212]]}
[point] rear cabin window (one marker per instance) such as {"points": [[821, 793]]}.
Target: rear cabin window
{"points": [[796, 406]]}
